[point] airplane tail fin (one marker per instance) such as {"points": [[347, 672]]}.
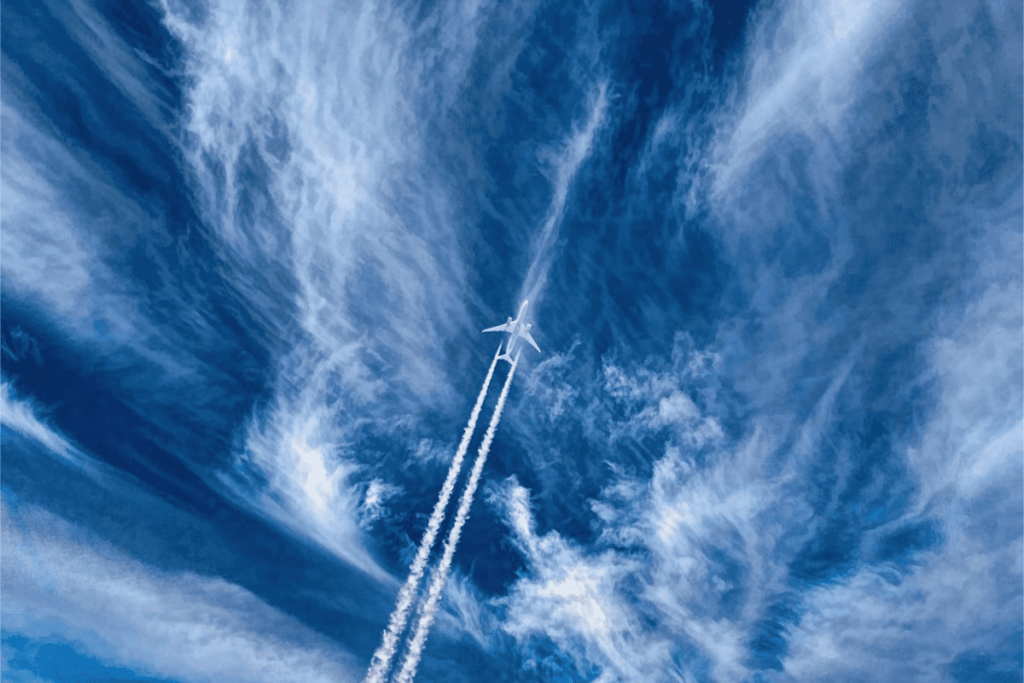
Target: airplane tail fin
{"points": [[503, 353]]}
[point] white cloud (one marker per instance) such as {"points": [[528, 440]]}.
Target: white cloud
{"points": [[913, 630], [336, 101], [646, 604], [657, 399], [335, 87], [964, 596], [565, 164], [718, 538], [43, 236], [308, 487], [21, 416], [805, 63], [465, 611], [375, 500], [58, 582], [321, 88], [976, 437], [572, 597], [344, 106], [749, 503], [546, 386], [428, 451], [51, 188], [69, 221]]}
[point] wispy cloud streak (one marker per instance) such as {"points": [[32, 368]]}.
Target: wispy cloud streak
{"points": [[61, 581], [803, 69], [20, 416], [575, 152], [300, 149], [396, 624], [419, 638], [825, 521]]}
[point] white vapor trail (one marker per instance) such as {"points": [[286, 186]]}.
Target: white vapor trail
{"points": [[567, 163], [419, 638], [381, 662]]}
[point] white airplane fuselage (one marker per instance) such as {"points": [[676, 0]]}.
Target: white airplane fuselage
{"points": [[513, 337]]}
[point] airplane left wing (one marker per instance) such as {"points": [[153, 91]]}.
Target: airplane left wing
{"points": [[525, 334]]}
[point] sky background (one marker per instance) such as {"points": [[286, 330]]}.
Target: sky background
{"points": [[773, 252]]}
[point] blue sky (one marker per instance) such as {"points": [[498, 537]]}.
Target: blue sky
{"points": [[774, 258]]}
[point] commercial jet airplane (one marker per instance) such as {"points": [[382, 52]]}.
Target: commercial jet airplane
{"points": [[516, 330]]}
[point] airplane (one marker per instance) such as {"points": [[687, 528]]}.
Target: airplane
{"points": [[516, 330]]}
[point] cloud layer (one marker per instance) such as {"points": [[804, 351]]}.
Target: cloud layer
{"points": [[59, 582], [776, 430]]}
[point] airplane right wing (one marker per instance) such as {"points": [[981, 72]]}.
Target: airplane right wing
{"points": [[525, 334], [499, 328]]}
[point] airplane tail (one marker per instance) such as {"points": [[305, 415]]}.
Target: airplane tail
{"points": [[505, 355]]}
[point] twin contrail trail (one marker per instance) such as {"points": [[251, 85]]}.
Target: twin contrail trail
{"points": [[396, 624], [419, 638]]}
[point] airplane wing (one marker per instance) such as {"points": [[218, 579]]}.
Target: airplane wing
{"points": [[525, 334], [499, 328]]}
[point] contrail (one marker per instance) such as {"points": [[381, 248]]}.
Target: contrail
{"points": [[575, 151], [381, 662], [419, 638]]}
